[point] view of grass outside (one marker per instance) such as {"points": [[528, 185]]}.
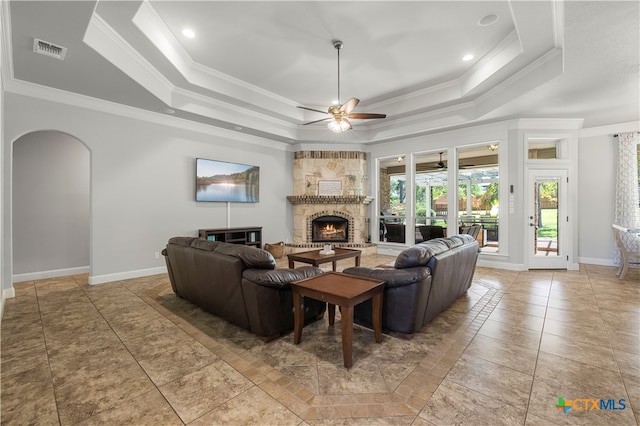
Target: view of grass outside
{"points": [[549, 222]]}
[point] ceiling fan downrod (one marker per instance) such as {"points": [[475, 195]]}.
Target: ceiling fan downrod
{"points": [[338, 45]]}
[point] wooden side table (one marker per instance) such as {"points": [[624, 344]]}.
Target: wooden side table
{"points": [[345, 291]]}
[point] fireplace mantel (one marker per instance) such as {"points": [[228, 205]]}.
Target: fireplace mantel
{"points": [[329, 199]]}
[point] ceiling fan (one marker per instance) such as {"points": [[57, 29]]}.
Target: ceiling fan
{"points": [[440, 165], [341, 113]]}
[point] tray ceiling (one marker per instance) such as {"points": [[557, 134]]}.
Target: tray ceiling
{"points": [[251, 63]]}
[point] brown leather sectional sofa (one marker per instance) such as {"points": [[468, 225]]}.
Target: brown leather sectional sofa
{"points": [[238, 283], [423, 281]]}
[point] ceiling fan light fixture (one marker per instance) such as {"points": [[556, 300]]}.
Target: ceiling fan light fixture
{"points": [[338, 112], [338, 125]]}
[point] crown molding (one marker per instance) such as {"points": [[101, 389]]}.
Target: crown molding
{"points": [[570, 124], [206, 106], [49, 94], [558, 23], [499, 57], [101, 37], [155, 29], [7, 51], [610, 129]]}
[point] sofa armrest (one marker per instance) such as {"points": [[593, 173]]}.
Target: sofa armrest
{"points": [[279, 278], [392, 277]]}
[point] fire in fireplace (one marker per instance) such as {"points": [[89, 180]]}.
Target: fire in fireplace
{"points": [[330, 229]]}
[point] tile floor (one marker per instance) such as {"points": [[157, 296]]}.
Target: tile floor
{"points": [[130, 352]]}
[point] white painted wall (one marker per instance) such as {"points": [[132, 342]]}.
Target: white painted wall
{"points": [[50, 203], [142, 180], [596, 192]]}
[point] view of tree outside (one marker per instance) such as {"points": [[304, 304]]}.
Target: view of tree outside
{"points": [[397, 195], [484, 198], [477, 194], [548, 209]]}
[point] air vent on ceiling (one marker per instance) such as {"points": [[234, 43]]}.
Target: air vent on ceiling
{"points": [[49, 49]]}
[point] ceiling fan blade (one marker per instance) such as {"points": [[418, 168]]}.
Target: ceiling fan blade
{"points": [[365, 115], [348, 106], [317, 121], [349, 123], [311, 109]]}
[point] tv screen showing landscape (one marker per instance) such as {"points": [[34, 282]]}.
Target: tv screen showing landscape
{"points": [[227, 182]]}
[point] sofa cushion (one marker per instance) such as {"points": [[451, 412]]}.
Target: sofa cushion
{"points": [[466, 238], [279, 278], [412, 257], [202, 244], [252, 257], [420, 254], [182, 241], [391, 277]]}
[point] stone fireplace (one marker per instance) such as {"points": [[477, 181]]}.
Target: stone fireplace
{"points": [[329, 201]]}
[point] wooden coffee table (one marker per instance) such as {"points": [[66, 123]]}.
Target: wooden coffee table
{"points": [[345, 291], [314, 257]]}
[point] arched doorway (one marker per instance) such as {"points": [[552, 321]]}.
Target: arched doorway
{"points": [[50, 206]]}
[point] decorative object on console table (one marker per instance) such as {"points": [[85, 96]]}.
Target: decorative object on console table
{"points": [[250, 236]]}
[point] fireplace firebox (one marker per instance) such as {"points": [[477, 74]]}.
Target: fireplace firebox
{"points": [[330, 229]]}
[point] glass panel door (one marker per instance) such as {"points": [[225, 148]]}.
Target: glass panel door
{"points": [[431, 206], [393, 197], [547, 219], [478, 194]]}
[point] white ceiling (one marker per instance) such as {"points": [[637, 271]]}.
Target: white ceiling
{"points": [[252, 63]]}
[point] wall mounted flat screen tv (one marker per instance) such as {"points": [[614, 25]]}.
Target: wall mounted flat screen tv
{"points": [[220, 181]]}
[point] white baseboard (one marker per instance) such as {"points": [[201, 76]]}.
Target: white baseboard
{"points": [[488, 263], [107, 278], [93, 279], [596, 261], [7, 293], [32, 276]]}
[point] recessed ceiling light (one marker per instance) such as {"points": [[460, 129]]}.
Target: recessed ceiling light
{"points": [[188, 33], [467, 57], [488, 20]]}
